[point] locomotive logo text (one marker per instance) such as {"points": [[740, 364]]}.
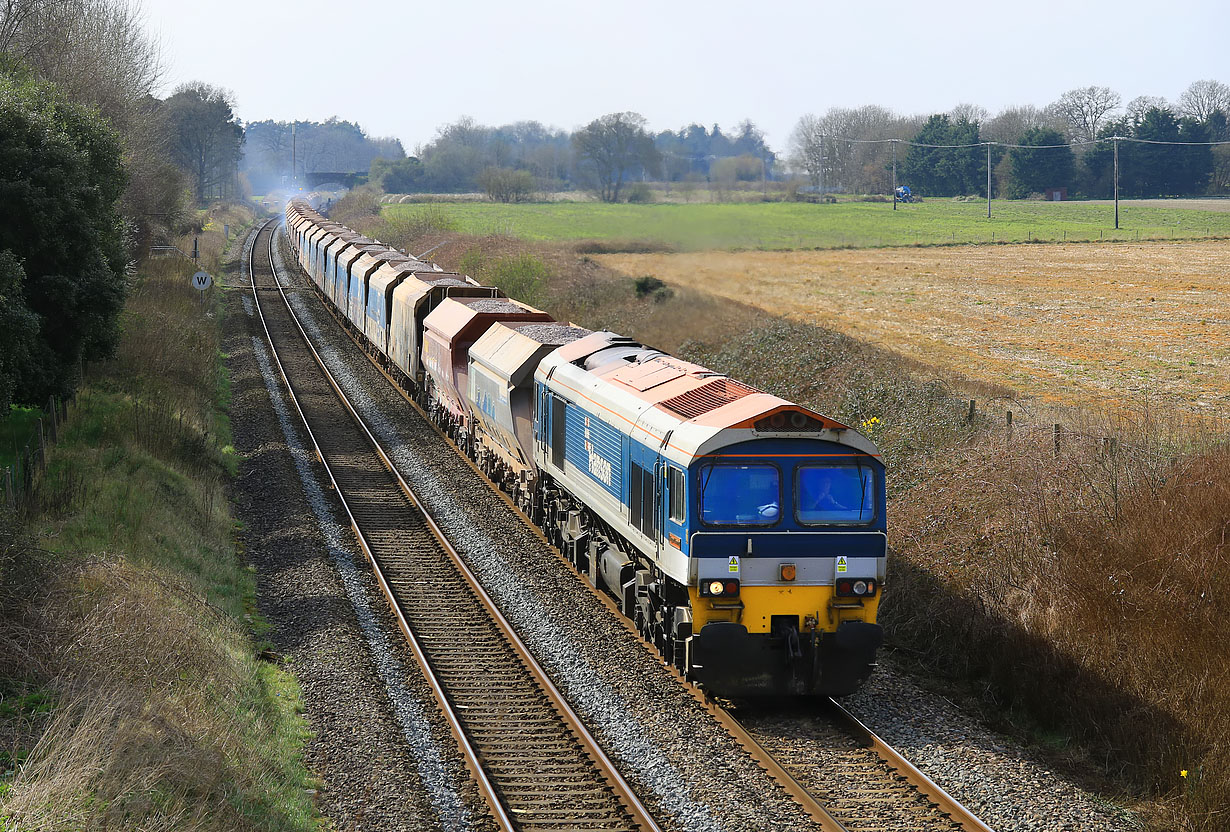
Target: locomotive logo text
{"points": [[599, 468]]}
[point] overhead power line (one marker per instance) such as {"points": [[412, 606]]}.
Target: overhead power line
{"points": [[1010, 146]]}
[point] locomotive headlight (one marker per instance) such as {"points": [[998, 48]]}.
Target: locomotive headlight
{"points": [[716, 587], [787, 571], [860, 587]]}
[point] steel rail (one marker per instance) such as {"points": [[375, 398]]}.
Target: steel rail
{"points": [[925, 785], [619, 785]]}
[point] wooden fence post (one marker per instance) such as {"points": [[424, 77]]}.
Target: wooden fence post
{"points": [[972, 409], [51, 411], [9, 496], [1057, 432], [42, 444]]}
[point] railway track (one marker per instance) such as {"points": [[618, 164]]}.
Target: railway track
{"points": [[534, 762], [844, 776], [863, 784]]}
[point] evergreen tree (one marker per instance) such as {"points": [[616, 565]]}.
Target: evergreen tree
{"points": [[945, 171], [1035, 170], [61, 239]]}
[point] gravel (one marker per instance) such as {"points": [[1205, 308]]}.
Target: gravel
{"points": [[994, 777], [383, 755], [557, 334]]}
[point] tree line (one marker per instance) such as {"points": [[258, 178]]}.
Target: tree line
{"points": [[848, 150], [511, 161]]}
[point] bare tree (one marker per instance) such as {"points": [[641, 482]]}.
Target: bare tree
{"points": [[1141, 104], [99, 54], [973, 113], [612, 147], [1011, 123], [807, 147], [1203, 98], [856, 157], [1085, 109]]}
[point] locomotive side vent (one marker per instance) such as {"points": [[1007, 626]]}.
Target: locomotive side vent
{"points": [[707, 397]]}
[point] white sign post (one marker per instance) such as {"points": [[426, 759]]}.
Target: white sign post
{"points": [[202, 281]]}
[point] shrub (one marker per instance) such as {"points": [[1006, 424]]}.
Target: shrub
{"points": [[639, 192], [650, 287], [506, 184]]}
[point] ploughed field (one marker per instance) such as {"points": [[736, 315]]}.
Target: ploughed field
{"points": [[1065, 323]]}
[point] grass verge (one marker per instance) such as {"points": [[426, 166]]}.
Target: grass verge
{"points": [[132, 695]]}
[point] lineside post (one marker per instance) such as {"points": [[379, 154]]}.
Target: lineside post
{"points": [[894, 144], [1116, 143]]}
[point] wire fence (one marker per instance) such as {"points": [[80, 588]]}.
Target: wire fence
{"points": [[30, 460]]}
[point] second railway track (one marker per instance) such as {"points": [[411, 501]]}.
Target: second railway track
{"points": [[535, 763]]}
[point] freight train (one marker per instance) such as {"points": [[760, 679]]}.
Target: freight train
{"points": [[744, 535]]}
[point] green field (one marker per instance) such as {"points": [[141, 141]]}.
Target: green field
{"points": [[790, 225]]}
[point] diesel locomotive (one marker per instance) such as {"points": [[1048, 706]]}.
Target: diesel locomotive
{"points": [[744, 534]]}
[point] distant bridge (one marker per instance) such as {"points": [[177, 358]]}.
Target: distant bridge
{"points": [[321, 177]]}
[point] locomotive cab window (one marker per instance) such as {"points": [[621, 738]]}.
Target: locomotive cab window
{"points": [[834, 494], [674, 486], [740, 495]]}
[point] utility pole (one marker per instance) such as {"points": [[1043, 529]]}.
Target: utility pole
{"points": [[821, 167], [988, 180], [1116, 142], [294, 155], [894, 143]]}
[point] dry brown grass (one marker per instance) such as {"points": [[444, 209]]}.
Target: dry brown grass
{"points": [[145, 734], [1068, 324], [1088, 594]]}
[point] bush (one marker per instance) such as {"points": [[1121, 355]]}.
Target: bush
{"points": [[650, 287], [358, 204], [506, 184], [639, 192]]}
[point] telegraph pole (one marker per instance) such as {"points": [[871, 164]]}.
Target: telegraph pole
{"points": [[988, 180], [894, 143], [821, 167], [1116, 141], [294, 155]]}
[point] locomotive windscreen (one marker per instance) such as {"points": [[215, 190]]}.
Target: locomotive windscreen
{"points": [[834, 494], [740, 495]]}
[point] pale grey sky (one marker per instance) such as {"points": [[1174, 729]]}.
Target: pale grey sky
{"points": [[403, 69]]}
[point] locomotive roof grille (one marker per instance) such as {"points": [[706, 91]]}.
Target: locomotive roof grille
{"points": [[709, 396]]}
